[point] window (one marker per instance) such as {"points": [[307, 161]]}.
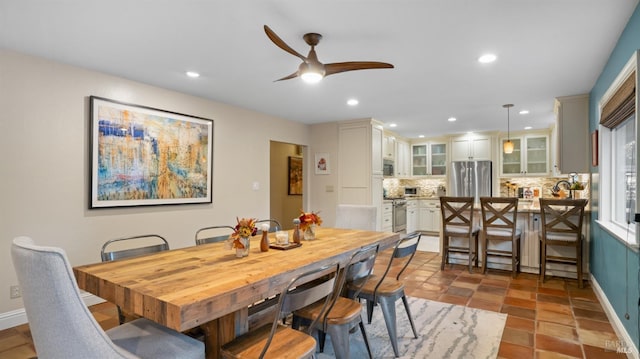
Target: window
{"points": [[624, 172], [618, 170]]}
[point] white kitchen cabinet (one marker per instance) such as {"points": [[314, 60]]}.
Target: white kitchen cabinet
{"points": [[429, 159], [471, 147], [572, 134], [360, 163], [387, 216], [389, 147], [530, 156], [412, 216], [429, 215], [403, 159]]}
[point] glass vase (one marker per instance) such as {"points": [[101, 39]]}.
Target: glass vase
{"points": [[310, 232], [243, 252]]}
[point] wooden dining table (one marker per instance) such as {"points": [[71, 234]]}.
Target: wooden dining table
{"points": [[207, 286]]}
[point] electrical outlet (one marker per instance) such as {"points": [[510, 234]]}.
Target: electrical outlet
{"points": [[14, 292]]}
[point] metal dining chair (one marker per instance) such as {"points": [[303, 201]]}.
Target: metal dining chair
{"points": [[385, 290], [278, 341], [63, 327], [213, 234], [499, 223], [561, 226], [133, 246], [344, 313], [127, 247], [457, 222]]}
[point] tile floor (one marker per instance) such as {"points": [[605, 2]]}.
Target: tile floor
{"points": [[554, 319]]}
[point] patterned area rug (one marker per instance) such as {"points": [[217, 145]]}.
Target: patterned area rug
{"points": [[444, 331]]}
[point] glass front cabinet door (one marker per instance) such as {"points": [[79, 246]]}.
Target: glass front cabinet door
{"points": [[429, 159], [530, 156]]}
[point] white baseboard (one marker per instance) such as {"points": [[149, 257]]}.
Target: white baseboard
{"points": [[19, 316], [626, 344]]}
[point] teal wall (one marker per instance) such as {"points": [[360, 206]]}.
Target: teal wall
{"points": [[608, 256]]}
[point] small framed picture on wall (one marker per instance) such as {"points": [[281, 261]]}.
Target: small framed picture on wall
{"points": [[322, 164]]}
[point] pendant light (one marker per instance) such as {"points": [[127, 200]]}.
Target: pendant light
{"points": [[508, 145]]}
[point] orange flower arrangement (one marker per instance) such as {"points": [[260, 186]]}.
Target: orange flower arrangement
{"points": [[309, 218], [246, 227]]}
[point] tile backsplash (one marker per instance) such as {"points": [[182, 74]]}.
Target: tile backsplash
{"points": [[428, 187], [545, 184]]}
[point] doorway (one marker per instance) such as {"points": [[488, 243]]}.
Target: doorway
{"points": [[287, 182]]}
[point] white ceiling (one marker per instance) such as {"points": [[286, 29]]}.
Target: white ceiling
{"points": [[545, 49]]}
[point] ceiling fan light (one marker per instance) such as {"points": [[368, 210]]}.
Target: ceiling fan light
{"points": [[311, 77], [507, 146]]}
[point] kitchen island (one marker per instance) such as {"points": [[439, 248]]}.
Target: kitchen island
{"points": [[529, 222]]}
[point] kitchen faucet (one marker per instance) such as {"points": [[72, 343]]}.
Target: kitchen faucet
{"points": [[556, 187]]}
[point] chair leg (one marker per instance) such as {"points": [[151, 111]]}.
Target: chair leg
{"points": [[406, 307], [514, 253], [579, 263], [370, 305], [477, 238], [485, 243], [445, 251], [340, 340], [366, 340], [321, 339], [388, 307], [543, 260], [471, 255]]}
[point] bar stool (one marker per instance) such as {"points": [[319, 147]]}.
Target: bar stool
{"points": [[499, 217], [457, 222], [562, 226]]}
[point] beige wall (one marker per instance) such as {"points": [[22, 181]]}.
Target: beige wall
{"points": [[44, 169]]}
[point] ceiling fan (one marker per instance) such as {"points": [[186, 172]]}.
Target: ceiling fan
{"points": [[311, 70]]}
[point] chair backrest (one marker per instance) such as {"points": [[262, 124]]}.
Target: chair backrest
{"points": [[134, 246], [562, 218], [405, 249], [356, 216], [499, 215], [303, 290], [274, 225], [61, 324], [360, 268], [213, 234], [457, 215]]}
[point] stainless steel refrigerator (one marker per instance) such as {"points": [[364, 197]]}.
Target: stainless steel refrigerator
{"points": [[470, 179]]}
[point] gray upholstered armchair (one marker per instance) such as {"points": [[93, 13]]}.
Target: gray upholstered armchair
{"points": [[63, 327]]}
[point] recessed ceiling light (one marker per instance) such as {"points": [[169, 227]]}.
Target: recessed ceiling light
{"points": [[352, 102], [528, 127], [393, 125], [193, 74], [451, 119], [487, 58], [524, 112], [421, 136]]}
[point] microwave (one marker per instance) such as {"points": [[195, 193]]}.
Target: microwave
{"points": [[387, 168], [410, 191]]}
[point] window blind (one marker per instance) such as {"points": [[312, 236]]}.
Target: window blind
{"points": [[621, 105]]}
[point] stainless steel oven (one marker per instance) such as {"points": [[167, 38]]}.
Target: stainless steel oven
{"points": [[399, 215]]}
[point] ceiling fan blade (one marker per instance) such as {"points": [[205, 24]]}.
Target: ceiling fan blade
{"points": [[281, 44], [289, 77], [338, 67]]}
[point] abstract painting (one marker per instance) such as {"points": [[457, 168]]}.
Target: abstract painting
{"points": [[145, 156]]}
